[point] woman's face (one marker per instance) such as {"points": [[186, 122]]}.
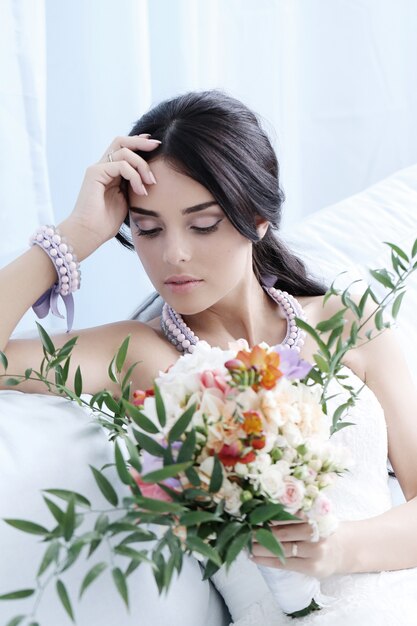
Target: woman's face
{"points": [[192, 254]]}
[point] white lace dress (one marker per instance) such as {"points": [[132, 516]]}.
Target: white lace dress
{"points": [[370, 599]]}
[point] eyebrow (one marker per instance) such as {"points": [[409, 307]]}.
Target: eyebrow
{"points": [[190, 209]]}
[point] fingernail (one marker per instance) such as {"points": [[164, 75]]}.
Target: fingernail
{"points": [[145, 135], [144, 190], [152, 178], [155, 140]]}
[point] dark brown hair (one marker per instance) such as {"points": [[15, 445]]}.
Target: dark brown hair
{"points": [[219, 142]]}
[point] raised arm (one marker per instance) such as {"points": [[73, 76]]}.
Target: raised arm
{"points": [[99, 212]]}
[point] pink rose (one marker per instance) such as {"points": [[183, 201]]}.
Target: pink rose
{"points": [[293, 495]]}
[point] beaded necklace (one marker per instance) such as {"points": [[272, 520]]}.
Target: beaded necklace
{"points": [[183, 338]]}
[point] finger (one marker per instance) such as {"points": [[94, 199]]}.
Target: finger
{"points": [[296, 565], [126, 171], [125, 154], [134, 142], [293, 532]]}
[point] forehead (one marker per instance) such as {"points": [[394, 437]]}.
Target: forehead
{"points": [[173, 190]]}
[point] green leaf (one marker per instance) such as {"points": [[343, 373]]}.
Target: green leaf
{"points": [[16, 620], [266, 512], [193, 518], [231, 529], [129, 373], [17, 595], [111, 403], [169, 471], [321, 362], [210, 569], [379, 320], [186, 451], [181, 424], [46, 340], [55, 510], [111, 370], [237, 545], [68, 347], [335, 321], [64, 597], [91, 576], [198, 545], [69, 520], [133, 565], [138, 536], [414, 250], [268, 541], [216, 479], [3, 360], [193, 477], [51, 555], [121, 354], [158, 506], [13, 382], [398, 250], [72, 555], [160, 407], [78, 382], [134, 456], [121, 586], [140, 418], [122, 470], [382, 277], [148, 444], [133, 554], [397, 304], [27, 527], [105, 487], [67, 495], [311, 331]]}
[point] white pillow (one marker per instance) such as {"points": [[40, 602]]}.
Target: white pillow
{"points": [[349, 235], [48, 442]]}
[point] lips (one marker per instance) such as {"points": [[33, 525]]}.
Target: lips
{"points": [[181, 279], [182, 284]]}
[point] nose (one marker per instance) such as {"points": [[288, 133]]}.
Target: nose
{"points": [[175, 250]]}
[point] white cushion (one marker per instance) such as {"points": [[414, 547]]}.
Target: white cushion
{"points": [[348, 236]]}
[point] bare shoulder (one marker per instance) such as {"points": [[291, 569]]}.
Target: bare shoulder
{"points": [[93, 350]]}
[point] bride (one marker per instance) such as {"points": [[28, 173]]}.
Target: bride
{"points": [[194, 190]]}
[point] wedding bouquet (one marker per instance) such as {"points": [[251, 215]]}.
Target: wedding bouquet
{"points": [[245, 443]]}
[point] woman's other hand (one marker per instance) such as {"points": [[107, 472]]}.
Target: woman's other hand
{"points": [[320, 559], [101, 206]]}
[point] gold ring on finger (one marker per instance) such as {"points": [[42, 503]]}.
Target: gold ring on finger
{"points": [[109, 156]]}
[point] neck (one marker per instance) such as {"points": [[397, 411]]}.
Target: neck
{"points": [[246, 312]]}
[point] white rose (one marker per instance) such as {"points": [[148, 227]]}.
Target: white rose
{"points": [[271, 483], [232, 493]]}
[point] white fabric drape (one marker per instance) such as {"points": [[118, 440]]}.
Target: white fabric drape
{"points": [[24, 191], [333, 82]]}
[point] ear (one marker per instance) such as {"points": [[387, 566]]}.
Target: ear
{"points": [[262, 226]]}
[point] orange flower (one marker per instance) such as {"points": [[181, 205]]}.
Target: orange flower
{"points": [[253, 423], [265, 364]]}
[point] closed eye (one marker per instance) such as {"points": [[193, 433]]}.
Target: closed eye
{"points": [[153, 232], [207, 229]]}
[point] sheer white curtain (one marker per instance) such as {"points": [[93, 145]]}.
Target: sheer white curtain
{"points": [[333, 81]]}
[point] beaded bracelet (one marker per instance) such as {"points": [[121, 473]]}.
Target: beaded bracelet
{"points": [[68, 269]]}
